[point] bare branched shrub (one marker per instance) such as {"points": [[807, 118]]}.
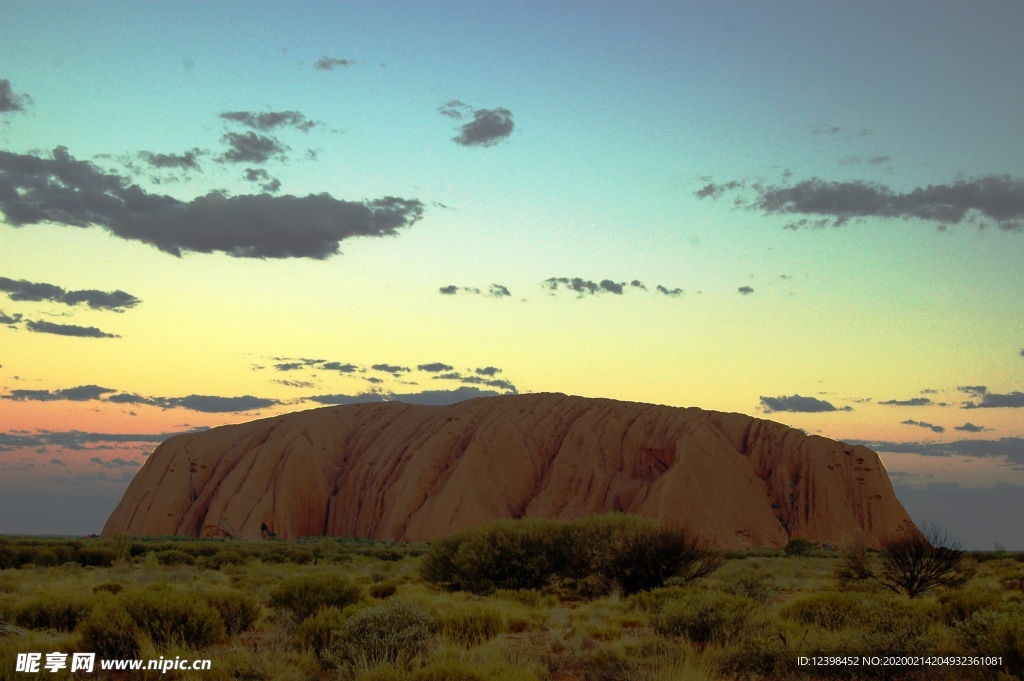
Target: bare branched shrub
{"points": [[911, 563]]}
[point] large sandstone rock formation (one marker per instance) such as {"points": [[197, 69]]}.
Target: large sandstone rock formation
{"points": [[407, 472]]}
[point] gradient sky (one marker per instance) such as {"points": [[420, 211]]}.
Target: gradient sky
{"points": [[809, 212]]}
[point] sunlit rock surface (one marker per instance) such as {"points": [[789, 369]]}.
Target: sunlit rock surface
{"points": [[408, 472]]}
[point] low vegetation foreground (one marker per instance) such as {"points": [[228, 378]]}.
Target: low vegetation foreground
{"points": [[606, 598]]}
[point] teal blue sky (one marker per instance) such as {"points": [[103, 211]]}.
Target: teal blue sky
{"points": [[829, 195]]}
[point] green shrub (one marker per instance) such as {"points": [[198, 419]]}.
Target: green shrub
{"points": [[704, 618], [832, 611], [274, 558], [652, 601], [393, 632], [303, 596], [237, 610], [756, 587], [167, 616], [50, 612], [225, 557], [798, 546], [96, 556], [470, 626], [171, 616], [175, 557], [110, 632], [40, 556], [646, 556], [523, 554], [957, 606], [108, 587], [383, 590], [996, 632], [315, 632], [586, 558]]}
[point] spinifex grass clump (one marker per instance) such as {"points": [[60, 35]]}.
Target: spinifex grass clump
{"points": [[588, 557], [115, 628], [394, 632], [303, 596], [52, 612]]}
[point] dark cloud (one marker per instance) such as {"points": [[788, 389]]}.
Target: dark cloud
{"points": [[270, 120], [870, 160], [989, 400], [263, 178], [9, 319], [340, 368], [827, 130], [295, 384], [116, 462], [41, 326], [427, 397], [76, 193], [453, 108], [922, 424], [912, 402], [208, 404], [331, 63], [201, 403], [478, 380], [358, 398], [973, 389], [745, 290], [27, 290], [798, 403], [77, 439], [1022, 352], [988, 200], [716, 190], [452, 290], [584, 286], [214, 404], [636, 283], [675, 292], [970, 428], [21, 289], [1009, 448], [11, 102], [187, 161], [495, 291], [488, 127], [487, 371], [81, 393], [248, 147], [443, 397], [11, 441], [434, 367], [392, 369], [293, 364]]}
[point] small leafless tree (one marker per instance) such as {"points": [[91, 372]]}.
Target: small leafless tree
{"points": [[911, 563]]}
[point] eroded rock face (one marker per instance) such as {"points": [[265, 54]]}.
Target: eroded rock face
{"points": [[408, 472]]}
